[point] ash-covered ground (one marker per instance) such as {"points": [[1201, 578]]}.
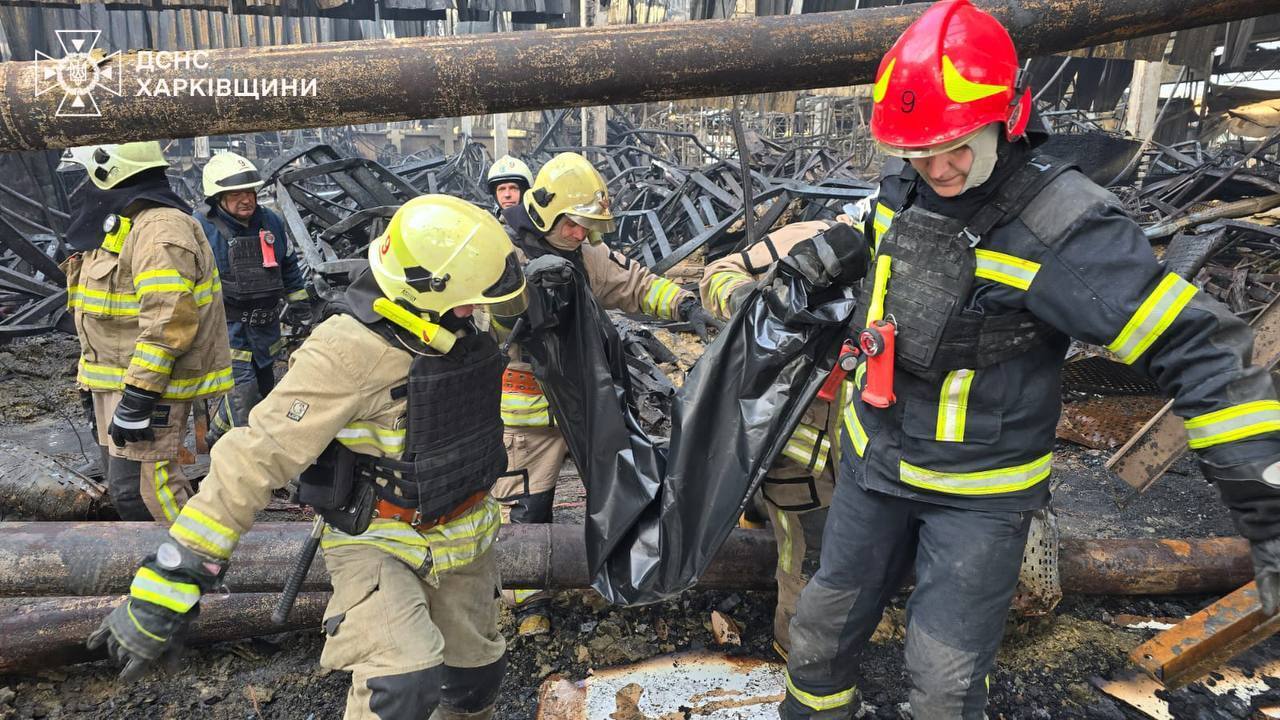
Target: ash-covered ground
{"points": [[1044, 670]]}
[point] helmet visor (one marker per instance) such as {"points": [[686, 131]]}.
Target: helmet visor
{"points": [[929, 150], [246, 180], [508, 299], [598, 226]]}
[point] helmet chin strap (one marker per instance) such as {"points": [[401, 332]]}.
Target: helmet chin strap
{"points": [[431, 334]]}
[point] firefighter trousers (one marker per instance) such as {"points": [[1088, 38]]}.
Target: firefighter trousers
{"points": [[144, 479], [797, 501], [966, 567], [412, 643]]}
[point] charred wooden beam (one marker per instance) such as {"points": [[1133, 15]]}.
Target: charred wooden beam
{"points": [[100, 558], [400, 79], [46, 632]]}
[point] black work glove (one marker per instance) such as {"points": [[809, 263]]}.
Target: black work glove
{"points": [[86, 403], [151, 624], [298, 313], [132, 419], [1252, 492], [692, 312], [839, 255], [548, 271]]}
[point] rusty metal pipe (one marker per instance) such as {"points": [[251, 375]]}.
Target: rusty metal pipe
{"points": [[100, 558], [400, 79], [46, 632]]}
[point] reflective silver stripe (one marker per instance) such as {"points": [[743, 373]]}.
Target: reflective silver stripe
{"points": [[1152, 318], [1006, 269], [207, 533], [151, 587], [1233, 423], [984, 482], [953, 406]]}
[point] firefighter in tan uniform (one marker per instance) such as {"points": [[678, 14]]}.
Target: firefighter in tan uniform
{"points": [[147, 303], [564, 214], [797, 490], [389, 411]]}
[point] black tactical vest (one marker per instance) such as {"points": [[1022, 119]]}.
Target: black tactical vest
{"points": [[247, 281]]}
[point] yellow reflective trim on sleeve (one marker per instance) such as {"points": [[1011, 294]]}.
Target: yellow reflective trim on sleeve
{"points": [[214, 383], [99, 302], [721, 288], [201, 532], [659, 301], [853, 426], [1152, 318], [1005, 269], [204, 291], [297, 295], [984, 482], [150, 586], [386, 440], [152, 357], [804, 448], [162, 281], [821, 702], [953, 405], [1233, 423]]}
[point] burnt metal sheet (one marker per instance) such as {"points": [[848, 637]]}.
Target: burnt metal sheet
{"points": [[703, 685]]}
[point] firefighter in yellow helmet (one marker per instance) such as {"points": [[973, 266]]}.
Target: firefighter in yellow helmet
{"points": [[378, 410], [562, 218], [143, 287], [508, 180]]}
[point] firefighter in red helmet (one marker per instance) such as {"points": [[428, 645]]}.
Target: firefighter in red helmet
{"points": [[988, 257]]}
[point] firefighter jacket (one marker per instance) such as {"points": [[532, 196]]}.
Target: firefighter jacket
{"points": [[618, 283], [344, 383], [259, 344], [148, 310], [812, 443], [983, 437]]}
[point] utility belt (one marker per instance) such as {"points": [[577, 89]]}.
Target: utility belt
{"points": [[256, 315], [388, 510], [520, 382]]}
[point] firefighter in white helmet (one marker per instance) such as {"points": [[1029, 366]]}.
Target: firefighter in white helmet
{"points": [[144, 291], [390, 414], [508, 180]]}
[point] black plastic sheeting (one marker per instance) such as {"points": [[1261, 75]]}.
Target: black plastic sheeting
{"points": [[658, 512]]}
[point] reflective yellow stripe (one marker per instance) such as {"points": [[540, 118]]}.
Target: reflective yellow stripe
{"points": [[721, 289], [162, 281], [853, 427], [1006, 269], [152, 357], [1233, 423], [659, 301], [105, 378], [204, 291], [214, 383], [523, 595], [100, 302], [800, 448], [241, 355], [390, 442], [452, 545], [297, 295], [953, 405], [138, 625], [881, 222], [152, 587], [520, 410], [160, 481], [784, 547], [821, 702], [201, 532], [860, 375], [985, 482], [276, 347], [1155, 314]]}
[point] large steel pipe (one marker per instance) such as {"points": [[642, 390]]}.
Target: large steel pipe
{"points": [[46, 632], [99, 559], [384, 80]]}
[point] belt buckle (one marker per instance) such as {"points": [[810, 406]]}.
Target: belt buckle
{"points": [[417, 518]]}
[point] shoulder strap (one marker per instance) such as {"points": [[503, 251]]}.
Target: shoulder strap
{"points": [[1016, 192]]}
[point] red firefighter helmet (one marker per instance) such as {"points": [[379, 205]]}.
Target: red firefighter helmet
{"points": [[951, 73]]}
